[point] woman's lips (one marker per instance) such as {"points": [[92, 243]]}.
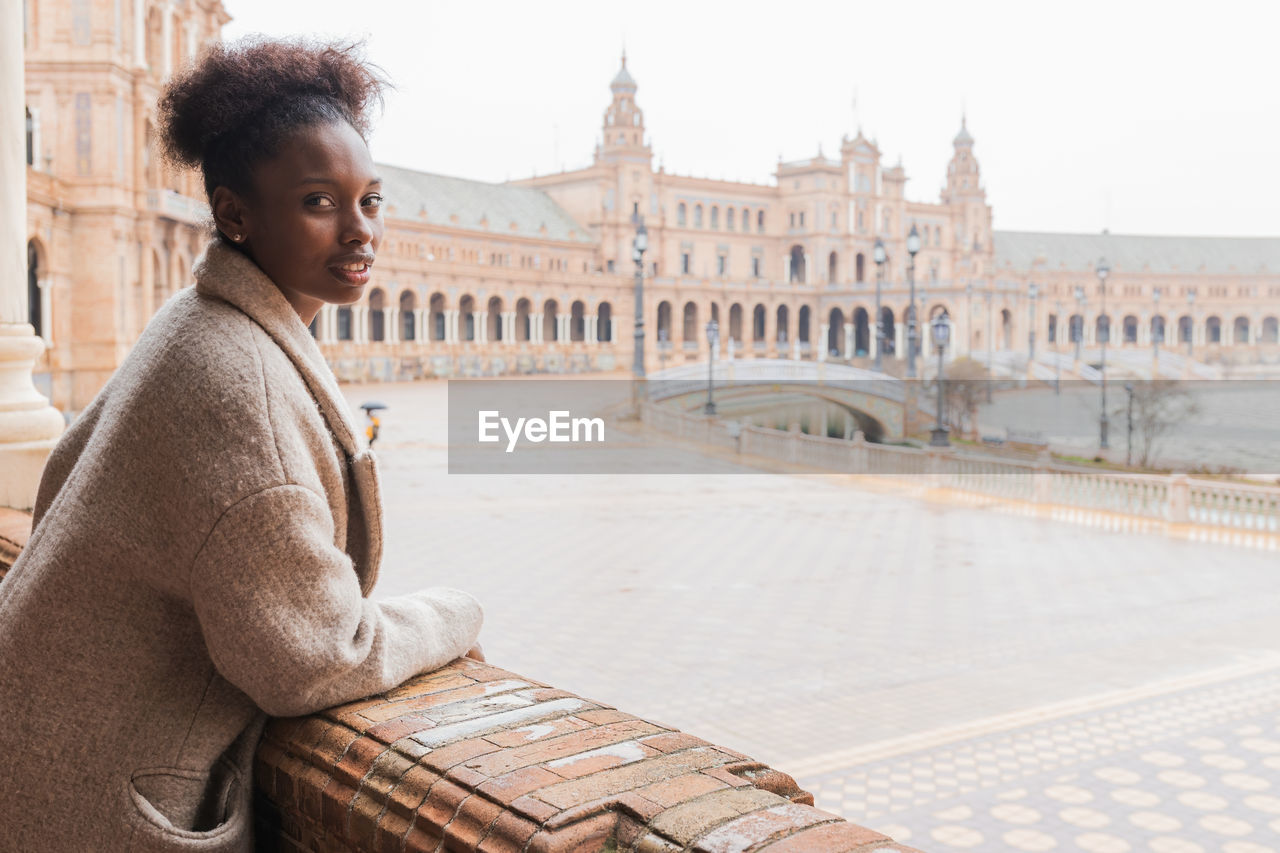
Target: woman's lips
{"points": [[353, 277]]}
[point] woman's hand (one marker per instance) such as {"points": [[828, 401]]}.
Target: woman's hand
{"points": [[476, 652]]}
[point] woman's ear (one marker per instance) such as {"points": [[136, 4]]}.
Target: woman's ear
{"points": [[230, 215]]}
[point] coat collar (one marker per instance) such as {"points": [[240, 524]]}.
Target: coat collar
{"points": [[227, 274]]}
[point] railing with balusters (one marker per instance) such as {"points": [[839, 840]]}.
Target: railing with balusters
{"points": [[1173, 498]]}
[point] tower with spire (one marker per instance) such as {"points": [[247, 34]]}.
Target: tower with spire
{"points": [[623, 136], [965, 195]]}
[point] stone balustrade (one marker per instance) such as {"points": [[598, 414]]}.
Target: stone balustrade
{"points": [[1173, 499], [475, 758]]}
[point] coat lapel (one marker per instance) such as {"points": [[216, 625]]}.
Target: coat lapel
{"points": [[227, 274]]}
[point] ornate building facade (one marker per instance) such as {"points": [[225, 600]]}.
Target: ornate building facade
{"points": [[537, 275]]}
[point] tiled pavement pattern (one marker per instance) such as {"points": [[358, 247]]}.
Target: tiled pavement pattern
{"points": [[1189, 772], [793, 617]]}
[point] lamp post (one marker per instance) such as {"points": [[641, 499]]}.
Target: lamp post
{"points": [[1031, 326], [1157, 333], [1057, 348], [990, 372], [880, 257], [941, 334], [638, 247], [713, 338], [913, 334], [1128, 448], [1078, 332], [1191, 332], [1103, 271]]}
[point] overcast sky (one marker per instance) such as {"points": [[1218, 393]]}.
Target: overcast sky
{"points": [[1144, 117]]}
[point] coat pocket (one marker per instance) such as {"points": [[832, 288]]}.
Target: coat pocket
{"points": [[176, 810]]}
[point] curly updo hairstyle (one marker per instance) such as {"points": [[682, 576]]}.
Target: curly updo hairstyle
{"points": [[238, 104]]}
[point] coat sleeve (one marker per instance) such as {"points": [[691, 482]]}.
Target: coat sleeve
{"points": [[283, 618]]}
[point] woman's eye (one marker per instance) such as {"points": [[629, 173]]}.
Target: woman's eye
{"points": [[373, 201], [319, 201]]}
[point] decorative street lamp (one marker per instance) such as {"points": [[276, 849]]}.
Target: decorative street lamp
{"points": [[1103, 271], [638, 247], [1128, 447], [1057, 348], [1191, 318], [941, 334], [1157, 333], [1031, 327], [880, 257], [713, 338], [1078, 331], [913, 334]]}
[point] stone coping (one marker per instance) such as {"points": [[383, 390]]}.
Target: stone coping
{"points": [[472, 757]]}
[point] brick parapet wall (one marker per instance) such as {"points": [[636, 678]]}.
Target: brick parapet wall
{"points": [[475, 758]]}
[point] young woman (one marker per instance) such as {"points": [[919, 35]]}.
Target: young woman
{"points": [[207, 533]]}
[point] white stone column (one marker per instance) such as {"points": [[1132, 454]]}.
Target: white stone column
{"points": [[166, 39], [848, 340], [825, 340], [593, 332], [29, 426], [419, 326], [899, 339], [535, 328], [808, 268], [140, 33], [482, 327], [451, 325], [562, 333], [786, 268], [391, 325]]}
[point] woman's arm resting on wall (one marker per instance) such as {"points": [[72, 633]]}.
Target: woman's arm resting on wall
{"points": [[284, 620]]}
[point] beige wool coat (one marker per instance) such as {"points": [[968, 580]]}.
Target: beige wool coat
{"points": [[206, 536]]}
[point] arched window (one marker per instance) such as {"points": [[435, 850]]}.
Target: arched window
{"points": [[604, 323], [1213, 330], [550, 328], [697, 216], [735, 322], [493, 319], [1102, 329], [833, 267], [728, 219], [577, 321], [1241, 331], [663, 331], [715, 218], [760, 221], [344, 323], [802, 327], [408, 322], [436, 316], [1184, 329], [746, 219], [782, 318], [689, 328], [757, 324], [522, 320], [797, 264], [467, 313], [377, 320], [681, 215], [1130, 329]]}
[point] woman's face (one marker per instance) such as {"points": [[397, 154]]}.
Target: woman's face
{"points": [[314, 221]]}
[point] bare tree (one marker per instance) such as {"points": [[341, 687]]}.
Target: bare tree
{"points": [[964, 388], [1158, 405]]}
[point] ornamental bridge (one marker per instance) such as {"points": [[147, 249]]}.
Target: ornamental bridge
{"points": [[822, 398]]}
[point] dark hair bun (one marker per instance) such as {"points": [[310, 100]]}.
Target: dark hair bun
{"points": [[236, 103]]}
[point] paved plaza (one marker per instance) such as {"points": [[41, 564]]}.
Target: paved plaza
{"points": [[960, 677]]}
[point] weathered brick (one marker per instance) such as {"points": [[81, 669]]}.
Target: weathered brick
{"points": [[673, 741], [838, 837], [481, 725], [335, 801], [605, 783], [443, 759], [422, 702], [508, 834], [611, 715], [670, 792], [592, 834], [759, 826], [357, 760], [508, 786], [421, 685], [411, 790], [441, 805], [534, 808], [573, 743], [543, 731], [398, 727], [689, 820], [471, 822], [332, 745]]}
